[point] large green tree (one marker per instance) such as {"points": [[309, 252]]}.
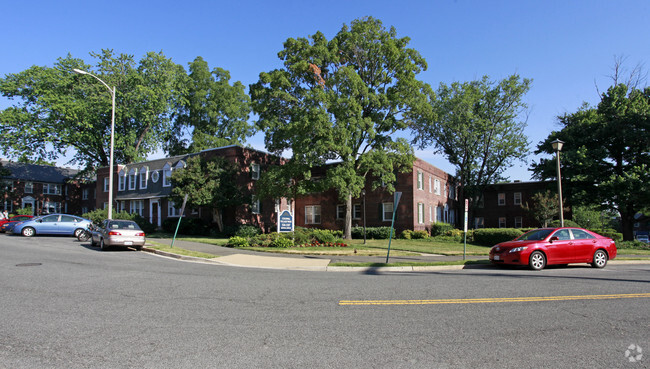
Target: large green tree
{"points": [[343, 100], [212, 112], [478, 127], [208, 182], [57, 112], [606, 155]]}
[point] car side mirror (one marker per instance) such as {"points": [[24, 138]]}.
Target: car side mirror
{"points": [[554, 238], [40, 221]]}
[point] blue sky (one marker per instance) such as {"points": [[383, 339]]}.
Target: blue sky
{"points": [[567, 47]]}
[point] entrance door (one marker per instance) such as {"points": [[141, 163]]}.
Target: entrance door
{"points": [[154, 212], [28, 202]]}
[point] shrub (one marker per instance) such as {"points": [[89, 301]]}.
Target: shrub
{"points": [[439, 229], [24, 211], [264, 240], [635, 245], [420, 235], [282, 242], [322, 235], [407, 234], [188, 226], [492, 236], [609, 233], [567, 223], [237, 242], [378, 233], [247, 231]]}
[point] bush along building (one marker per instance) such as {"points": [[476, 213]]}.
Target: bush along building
{"points": [[145, 188], [45, 189]]}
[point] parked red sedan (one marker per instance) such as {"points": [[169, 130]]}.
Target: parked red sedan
{"points": [[547, 246], [14, 219]]}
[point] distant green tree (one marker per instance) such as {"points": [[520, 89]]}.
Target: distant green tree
{"points": [[606, 155], [343, 100], [544, 207], [56, 111], [478, 127], [210, 183], [212, 111]]}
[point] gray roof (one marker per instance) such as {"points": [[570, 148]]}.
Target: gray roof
{"points": [[38, 173]]}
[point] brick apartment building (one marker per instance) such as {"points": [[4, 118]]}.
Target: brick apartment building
{"points": [[45, 189]]}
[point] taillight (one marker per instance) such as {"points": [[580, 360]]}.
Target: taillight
{"points": [[141, 234], [114, 233]]}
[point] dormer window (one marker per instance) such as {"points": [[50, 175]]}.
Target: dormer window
{"points": [[133, 175], [144, 176], [167, 175], [122, 180]]}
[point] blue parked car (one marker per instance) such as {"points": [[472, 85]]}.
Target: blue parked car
{"points": [[55, 224]]}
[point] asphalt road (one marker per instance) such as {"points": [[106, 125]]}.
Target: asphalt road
{"points": [[65, 305]]}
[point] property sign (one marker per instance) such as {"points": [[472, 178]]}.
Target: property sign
{"points": [[466, 211], [285, 222]]}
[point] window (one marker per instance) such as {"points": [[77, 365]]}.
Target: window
{"points": [[387, 211], [29, 187], [144, 174], [255, 171], [172, 210], [155, 176], [312, 214], [51, 207], [7, 185], [430, 186], [51, 189], [430, 214], [255, 205], [517, 198], [420, 213], [340, 211], [167, 175], [518, 222], [452, 192], [137, 207], [478, 222], [121, 183], [84, 194], [436, 186], [356, 211], [133, 175], [8, 206], [84, 209], [579, 234], [502, 199], [106, 184], [502, 222], [420, 181], [562, 235]]}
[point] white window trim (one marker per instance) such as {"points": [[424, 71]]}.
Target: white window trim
{"points": [[517, 199], [255, 171], [167, 175], [29, 187], [338, 212], [144, 177], [255, 205], [356, 208], [501, 196], [383, 211], [121, 183], [106, 184], [133, 179], [420, 183], [420, 213], [310, 211], [502, 222]]}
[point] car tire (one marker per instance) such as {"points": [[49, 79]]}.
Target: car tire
{"points": [[537, 260], [103, 245], [78, 231], [600, 259], [28, 232]]}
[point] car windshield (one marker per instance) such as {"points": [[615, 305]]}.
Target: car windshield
{"points": [[121, 224], [535, 235]]}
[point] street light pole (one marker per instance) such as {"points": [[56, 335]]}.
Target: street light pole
{"points": [[557, 146], [110, 173]]}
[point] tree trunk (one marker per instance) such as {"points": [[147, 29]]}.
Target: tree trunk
{"points": [[627, 225], [216, 218], [348, 218]]}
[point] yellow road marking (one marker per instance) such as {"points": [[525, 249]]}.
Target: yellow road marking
{"points": [[493, 300]]}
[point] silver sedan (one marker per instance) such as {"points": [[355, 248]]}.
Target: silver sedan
{"points": [[114, 232]]}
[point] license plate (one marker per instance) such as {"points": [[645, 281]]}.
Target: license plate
{"points": [[128, 243], [497, 257]]}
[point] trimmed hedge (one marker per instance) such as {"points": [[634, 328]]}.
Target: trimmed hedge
{"points": [[377, 233], [188, 226], [492, 236], [440, 229]]}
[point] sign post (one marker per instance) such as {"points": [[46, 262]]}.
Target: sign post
{"points": [[396, 198], [465, 229], [179, 220]]}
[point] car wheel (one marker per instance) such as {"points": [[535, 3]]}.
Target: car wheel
{"points": [[103, 245], [28, 232], [537, 260], [77, 232], [600, 259]]}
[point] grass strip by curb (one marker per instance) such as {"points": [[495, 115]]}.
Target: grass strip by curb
{"points": [[157, 246], [401, 264]]}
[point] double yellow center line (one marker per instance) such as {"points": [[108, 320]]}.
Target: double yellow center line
{"points": [[494, 300]]}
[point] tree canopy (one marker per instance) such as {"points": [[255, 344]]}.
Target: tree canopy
{"points": [[477, 126], [208, 182], [606, 156], [212, 112], [56, 110], [343, 100]]}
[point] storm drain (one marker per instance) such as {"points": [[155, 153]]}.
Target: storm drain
{"points": [[28, 264]]}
